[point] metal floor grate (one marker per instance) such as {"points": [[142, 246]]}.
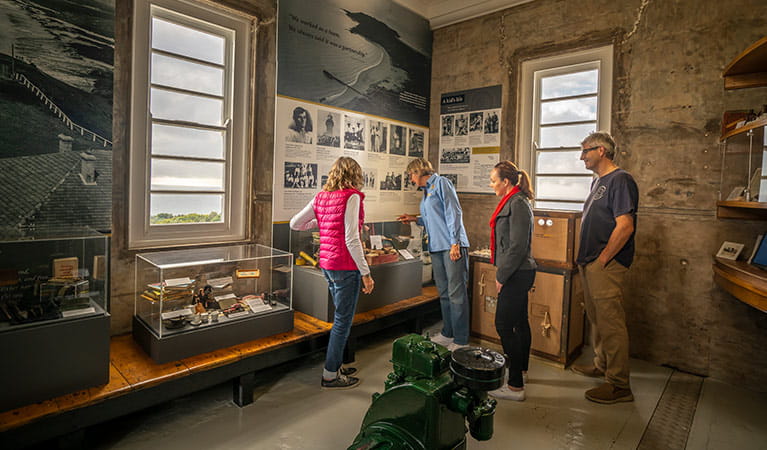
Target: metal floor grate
{"points": [[670, 424]]}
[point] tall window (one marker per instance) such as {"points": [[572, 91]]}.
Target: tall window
{"points": [[564, 99], [189, 121]]}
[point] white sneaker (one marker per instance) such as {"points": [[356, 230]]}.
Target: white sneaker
{"points": [[453, 346], [507, 394], [442, 340]]}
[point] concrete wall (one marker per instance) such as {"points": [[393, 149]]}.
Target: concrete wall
{"points": [[262, 143], [668, 101]]}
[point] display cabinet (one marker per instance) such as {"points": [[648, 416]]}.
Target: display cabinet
{"points": [[194, 301], [743, 180], [53, 317], [395, 264], [556, 310], [556, 237]]}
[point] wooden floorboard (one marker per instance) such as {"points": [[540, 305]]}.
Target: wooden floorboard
{"points": [[137, 367], [131, 369]]}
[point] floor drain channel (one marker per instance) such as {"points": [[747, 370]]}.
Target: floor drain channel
{"points": [[670, 424]]}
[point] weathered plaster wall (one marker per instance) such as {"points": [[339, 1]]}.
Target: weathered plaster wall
{"points": [[668, 100], [263, 12]]}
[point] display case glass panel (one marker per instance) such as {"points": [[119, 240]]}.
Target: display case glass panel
{"points": [[744, 166], [181, 291], [53, 280]]}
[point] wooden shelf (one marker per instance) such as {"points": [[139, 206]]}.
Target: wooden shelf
{"points": [[748, 69], [749, 126], [744, 281], [741, 210]]}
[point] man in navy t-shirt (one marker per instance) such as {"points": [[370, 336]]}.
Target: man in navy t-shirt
{"points": [[606, 252]]}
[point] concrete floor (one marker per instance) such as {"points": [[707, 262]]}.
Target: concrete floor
{"points": [[291, 412]]}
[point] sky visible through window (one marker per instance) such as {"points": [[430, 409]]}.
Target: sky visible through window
{"points": [[567, 108], [188, 109]]}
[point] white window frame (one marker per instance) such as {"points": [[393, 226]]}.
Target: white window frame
{"points": [[529, 107], [238, 99]]}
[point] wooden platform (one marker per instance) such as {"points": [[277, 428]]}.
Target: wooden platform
{"points": [[137, 382]]}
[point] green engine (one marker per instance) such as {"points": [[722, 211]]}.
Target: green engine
{"points": [[430, 396]]}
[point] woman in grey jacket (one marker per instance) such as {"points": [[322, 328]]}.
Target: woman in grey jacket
{"points": [[511, 231]]}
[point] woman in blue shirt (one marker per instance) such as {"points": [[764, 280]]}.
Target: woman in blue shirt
{"points": [[442, 216]]}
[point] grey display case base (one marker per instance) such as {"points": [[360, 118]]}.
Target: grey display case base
{"points": [[393, 282], [203, 340], [46, 361]]}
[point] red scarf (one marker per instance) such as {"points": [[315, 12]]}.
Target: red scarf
{"points": [[498, 209]]}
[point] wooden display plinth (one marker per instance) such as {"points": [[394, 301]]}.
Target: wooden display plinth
{"points": [[52, 359], [202, 340], [393, 282]]}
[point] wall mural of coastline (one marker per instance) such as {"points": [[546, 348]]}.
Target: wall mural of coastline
{"points": [[371, 57], [56, 72]]}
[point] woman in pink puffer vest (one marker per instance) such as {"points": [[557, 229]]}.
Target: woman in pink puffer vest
{"points": [[339, 214]]}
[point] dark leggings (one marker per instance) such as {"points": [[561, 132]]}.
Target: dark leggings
{"points": [[512, 324]]}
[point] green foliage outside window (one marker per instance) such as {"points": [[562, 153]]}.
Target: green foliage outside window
{"points": [[164, 218]]}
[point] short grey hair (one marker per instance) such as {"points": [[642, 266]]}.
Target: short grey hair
{"points": [[603, 139]]}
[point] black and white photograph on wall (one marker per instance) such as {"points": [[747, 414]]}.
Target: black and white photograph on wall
{"points": [[475, 123], [300, 128], [354, 133], [329, 133], [447, 126], [453, 177], [461, 124], [372, 57], [397, 141], [475, 143], [415, 143], [460, 155], [56, 72], [491, 123], [378, 136], [300, 175], [391, 182], [407, 183], [369, 179]]}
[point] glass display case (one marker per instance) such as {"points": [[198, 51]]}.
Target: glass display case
{"points": [[193, 301], [744, 163], [394, 257], [53, 317], [50, 280]]}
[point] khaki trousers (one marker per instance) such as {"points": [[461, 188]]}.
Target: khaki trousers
{"points": [[603, 295]]}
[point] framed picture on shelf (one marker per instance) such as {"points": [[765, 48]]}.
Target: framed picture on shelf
{"points": [[729, 250], [736, 194]]}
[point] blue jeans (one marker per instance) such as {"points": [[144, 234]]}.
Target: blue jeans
{"points": [[345, 287], [451, 278]]}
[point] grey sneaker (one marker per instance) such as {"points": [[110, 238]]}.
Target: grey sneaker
{"points": [[341, 382], [347, 371]]}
